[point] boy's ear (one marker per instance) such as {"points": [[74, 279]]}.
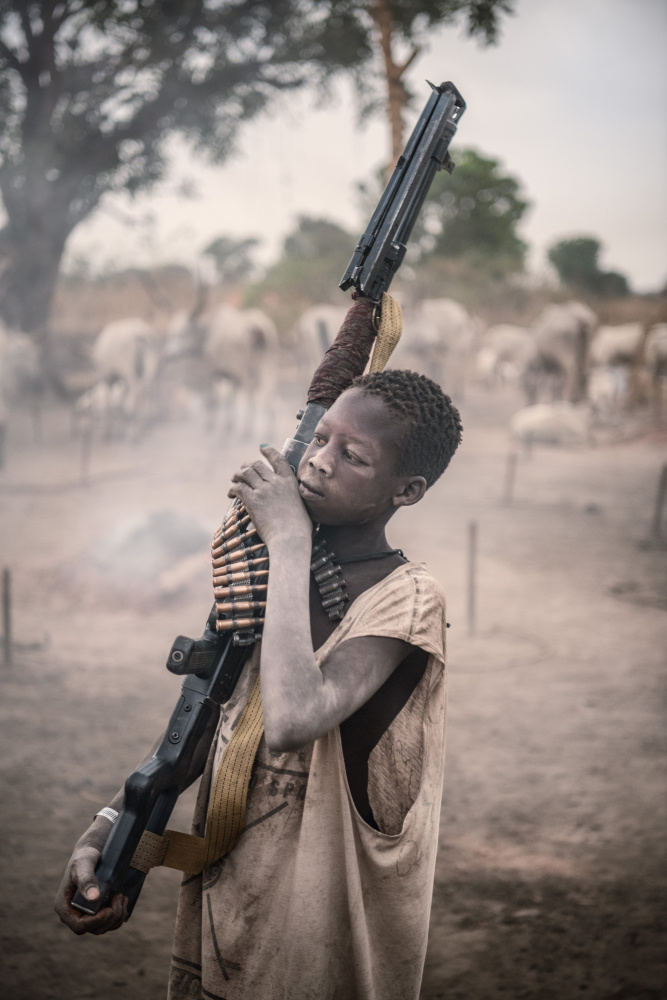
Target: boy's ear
{"points": [[413, 489]]}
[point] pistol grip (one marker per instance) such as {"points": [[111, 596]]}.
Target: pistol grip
{"points": [[91, 906]]}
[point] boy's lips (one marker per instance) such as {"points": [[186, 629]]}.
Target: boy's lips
{"points": [[309, 492]]}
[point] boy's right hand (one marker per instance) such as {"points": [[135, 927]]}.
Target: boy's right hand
{"points": [[80, 874]]}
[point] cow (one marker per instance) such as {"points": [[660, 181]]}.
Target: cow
{"points": [[616, 345], [563, 334], [613, 353], [126, 356], [558, 423], [439, 337], [505, 354], [314, 333], [105, 408], [655, 358], [237, 355]]}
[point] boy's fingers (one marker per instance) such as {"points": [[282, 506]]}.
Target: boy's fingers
{"points": [[278, 461], [114, 916], [253, 475], [259, 470], [83, 873]]}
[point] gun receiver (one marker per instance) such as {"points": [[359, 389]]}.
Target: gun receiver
{"points": [[381, 249]]}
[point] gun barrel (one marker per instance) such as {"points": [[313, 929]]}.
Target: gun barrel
{"points": [[381, 249]]}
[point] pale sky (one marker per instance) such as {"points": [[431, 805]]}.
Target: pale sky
{"points": [[573, 101]]}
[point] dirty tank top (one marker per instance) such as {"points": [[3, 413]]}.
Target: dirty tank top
{"points": [[313, 903]]}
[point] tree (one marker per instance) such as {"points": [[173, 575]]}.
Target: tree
{"points": [[91, 89], [408, 22], [314, 251], [232, 257], [473, 214], [576, 262]]}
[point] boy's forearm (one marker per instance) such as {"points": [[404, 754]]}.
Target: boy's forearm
{"points": [[290, 678]]}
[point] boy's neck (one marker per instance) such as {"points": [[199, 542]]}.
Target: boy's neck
{"points": [[355, 539]]}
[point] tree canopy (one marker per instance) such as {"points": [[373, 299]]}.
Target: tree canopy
{"points": [[407, 24], [232, 257], [91, 89], [474, 214], [314, 256], [576, 263]]}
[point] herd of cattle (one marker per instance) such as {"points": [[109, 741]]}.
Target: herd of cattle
{"points": [[227, 364]]}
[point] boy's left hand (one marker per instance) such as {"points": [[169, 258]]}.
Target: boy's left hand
{"points": [[270, 494]]}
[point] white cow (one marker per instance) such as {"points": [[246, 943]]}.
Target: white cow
{"points": [[563, 334], [559, 423], [505, 354], [236, 353], [127, 349], [105, 407], [656, 349], [126, 356], [613, 352], [314, 333], [616, 345], [655, 357], [439, 337]]}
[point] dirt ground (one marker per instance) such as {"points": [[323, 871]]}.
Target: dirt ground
{"points": [[551, 874]]}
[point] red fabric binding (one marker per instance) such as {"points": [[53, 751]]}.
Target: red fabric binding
{"points": [[347, 357]]}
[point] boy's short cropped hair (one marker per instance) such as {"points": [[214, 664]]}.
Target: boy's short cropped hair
{"points": [[433, 423]]}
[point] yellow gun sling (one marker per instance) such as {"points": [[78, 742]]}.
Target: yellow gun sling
{"points": [[389, 329], [227, 805]]}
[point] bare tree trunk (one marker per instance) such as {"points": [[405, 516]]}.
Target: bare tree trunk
{"points": [[397, 97], [29, 264]]}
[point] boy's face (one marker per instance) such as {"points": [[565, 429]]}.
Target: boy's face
{"points": [[348, 473]]}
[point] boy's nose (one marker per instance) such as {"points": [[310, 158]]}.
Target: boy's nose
{"points": [[320, 463]]}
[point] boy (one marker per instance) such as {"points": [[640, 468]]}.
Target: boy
{"points": [[327, 893]]}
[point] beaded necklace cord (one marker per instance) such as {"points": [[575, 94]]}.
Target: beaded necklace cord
{"points": [[367, 556]]}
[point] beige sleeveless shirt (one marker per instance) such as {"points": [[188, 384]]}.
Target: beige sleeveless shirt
{"points": [[312, 903]]}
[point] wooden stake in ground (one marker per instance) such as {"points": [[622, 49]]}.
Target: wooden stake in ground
{"points": [[472, 577], [660, 497], [7, 615]]}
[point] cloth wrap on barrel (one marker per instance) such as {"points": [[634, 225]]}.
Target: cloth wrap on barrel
{"points": [[347, 357], [343, 362]]}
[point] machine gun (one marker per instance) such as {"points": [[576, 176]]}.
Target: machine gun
{"points": [[213, 663]]}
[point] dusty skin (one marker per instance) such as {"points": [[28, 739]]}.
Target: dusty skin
{"points": [[551, 874]]}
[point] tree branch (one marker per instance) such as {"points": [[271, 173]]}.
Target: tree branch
{"points": [[26, 25], [11, 57], [409, 61]]}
